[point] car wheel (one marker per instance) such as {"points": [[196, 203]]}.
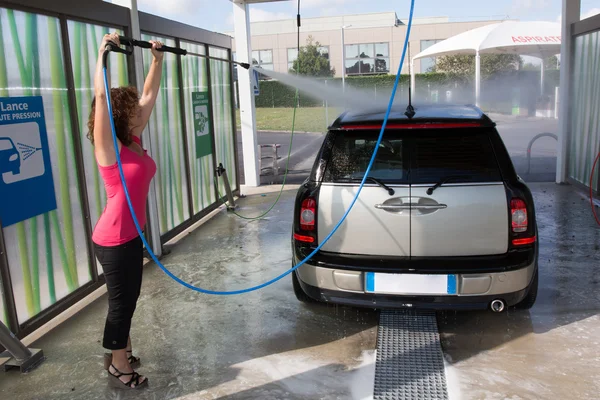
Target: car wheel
{"points": [[300, 294], [531, 296]]}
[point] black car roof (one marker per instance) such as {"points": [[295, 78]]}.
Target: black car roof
{"points": [[423, 113]]}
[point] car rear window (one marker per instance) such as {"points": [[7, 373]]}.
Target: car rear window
{"points": [[465, 158], [352, 152]]}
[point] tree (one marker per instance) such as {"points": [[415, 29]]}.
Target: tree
{"points": [[312, 61], [493, 63], [464, 64], [549, 63], [531, 67], [552, 63], [460, 64]]}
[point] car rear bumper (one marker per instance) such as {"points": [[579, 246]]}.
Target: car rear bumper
{"points": [[474, 291]]}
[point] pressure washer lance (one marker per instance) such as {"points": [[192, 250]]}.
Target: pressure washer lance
{"points": [[222, 172], [175, 50]]}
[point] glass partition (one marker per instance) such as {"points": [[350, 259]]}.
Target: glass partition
{"points": [[585, 119], [199, 126], [167, 142], [220, 81], [47, 253], [85, 41]]}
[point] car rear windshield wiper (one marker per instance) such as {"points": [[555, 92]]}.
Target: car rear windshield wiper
{"points": [[383, 185], [442, 181], [375, 180]]}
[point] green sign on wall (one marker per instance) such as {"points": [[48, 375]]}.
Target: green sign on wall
{"points": [[202, 125]]}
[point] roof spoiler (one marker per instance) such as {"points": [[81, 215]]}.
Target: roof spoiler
{"points": [[411, 125]]}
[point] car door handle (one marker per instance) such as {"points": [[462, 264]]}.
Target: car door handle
{"points": [[391, 207], [429, 206], [411, 206]]}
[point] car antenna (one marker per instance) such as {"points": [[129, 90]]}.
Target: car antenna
{"points": [[410, 111]]}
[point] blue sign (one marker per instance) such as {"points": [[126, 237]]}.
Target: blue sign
{"points": [[255, 82], [26, 183]]}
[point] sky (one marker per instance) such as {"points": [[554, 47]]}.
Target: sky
{"points": [[216, 15]]}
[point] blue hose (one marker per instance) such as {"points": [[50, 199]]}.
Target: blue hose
{"points": [[233, 292]]}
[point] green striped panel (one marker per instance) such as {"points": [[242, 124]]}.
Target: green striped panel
{"points": [[222, 110], [85, 41], [195, 79], [584, 141], [47, 255], [167, 142]]}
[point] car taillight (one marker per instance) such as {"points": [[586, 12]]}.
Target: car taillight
{"points": [[307, 214], [518, 210]]}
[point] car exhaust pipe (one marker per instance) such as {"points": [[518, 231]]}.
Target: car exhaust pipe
{"points": [[497, 306]]}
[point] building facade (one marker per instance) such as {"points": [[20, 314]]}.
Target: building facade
{"points": [[372, 42]]}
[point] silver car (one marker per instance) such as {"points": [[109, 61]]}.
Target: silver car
{"points": [[443, 220]]}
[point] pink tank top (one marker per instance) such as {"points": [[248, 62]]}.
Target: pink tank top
{"points": [[116, 225]]}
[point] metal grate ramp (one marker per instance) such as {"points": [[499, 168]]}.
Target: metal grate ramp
{"points": [[410, 363]]}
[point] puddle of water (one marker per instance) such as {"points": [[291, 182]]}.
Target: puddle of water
{"points": [[452, 381], [363, 377]]}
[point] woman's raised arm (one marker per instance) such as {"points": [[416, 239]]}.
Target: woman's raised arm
{"points": [[151, 87]]}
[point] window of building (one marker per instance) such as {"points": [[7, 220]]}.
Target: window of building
{"points": [[292, 55], [263, 58], [429, 62], [365, 59]]}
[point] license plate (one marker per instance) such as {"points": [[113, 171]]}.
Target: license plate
{"points": [[410, 284]]}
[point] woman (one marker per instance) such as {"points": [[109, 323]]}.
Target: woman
{"points": [[117, 243]]}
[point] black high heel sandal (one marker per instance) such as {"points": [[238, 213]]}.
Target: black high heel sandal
{"points": [[133, 361], [116, 382]]}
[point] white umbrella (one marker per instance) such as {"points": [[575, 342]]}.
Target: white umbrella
{"points": [[533, 38]]}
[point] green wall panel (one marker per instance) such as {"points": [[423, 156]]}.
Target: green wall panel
{"points": [[195, 79], [47, 254], [584, 142], [220, 81], [167, 142], [85, 42]]}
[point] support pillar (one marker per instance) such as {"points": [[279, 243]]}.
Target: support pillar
{"points": [[542, 77], [17, 355], [477, 79], [241, 18], [343, 61], [570, 15], [412, 76]]}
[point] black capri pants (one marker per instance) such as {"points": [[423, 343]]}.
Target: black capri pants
{"points": [[122, 266]]}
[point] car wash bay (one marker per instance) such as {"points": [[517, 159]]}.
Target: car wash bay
{"points": [[267, 345]]}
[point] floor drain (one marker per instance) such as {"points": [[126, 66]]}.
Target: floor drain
{"points": [[410, 363]]}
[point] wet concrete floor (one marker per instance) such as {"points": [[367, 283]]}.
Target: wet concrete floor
{"points": [[266, 345]]}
